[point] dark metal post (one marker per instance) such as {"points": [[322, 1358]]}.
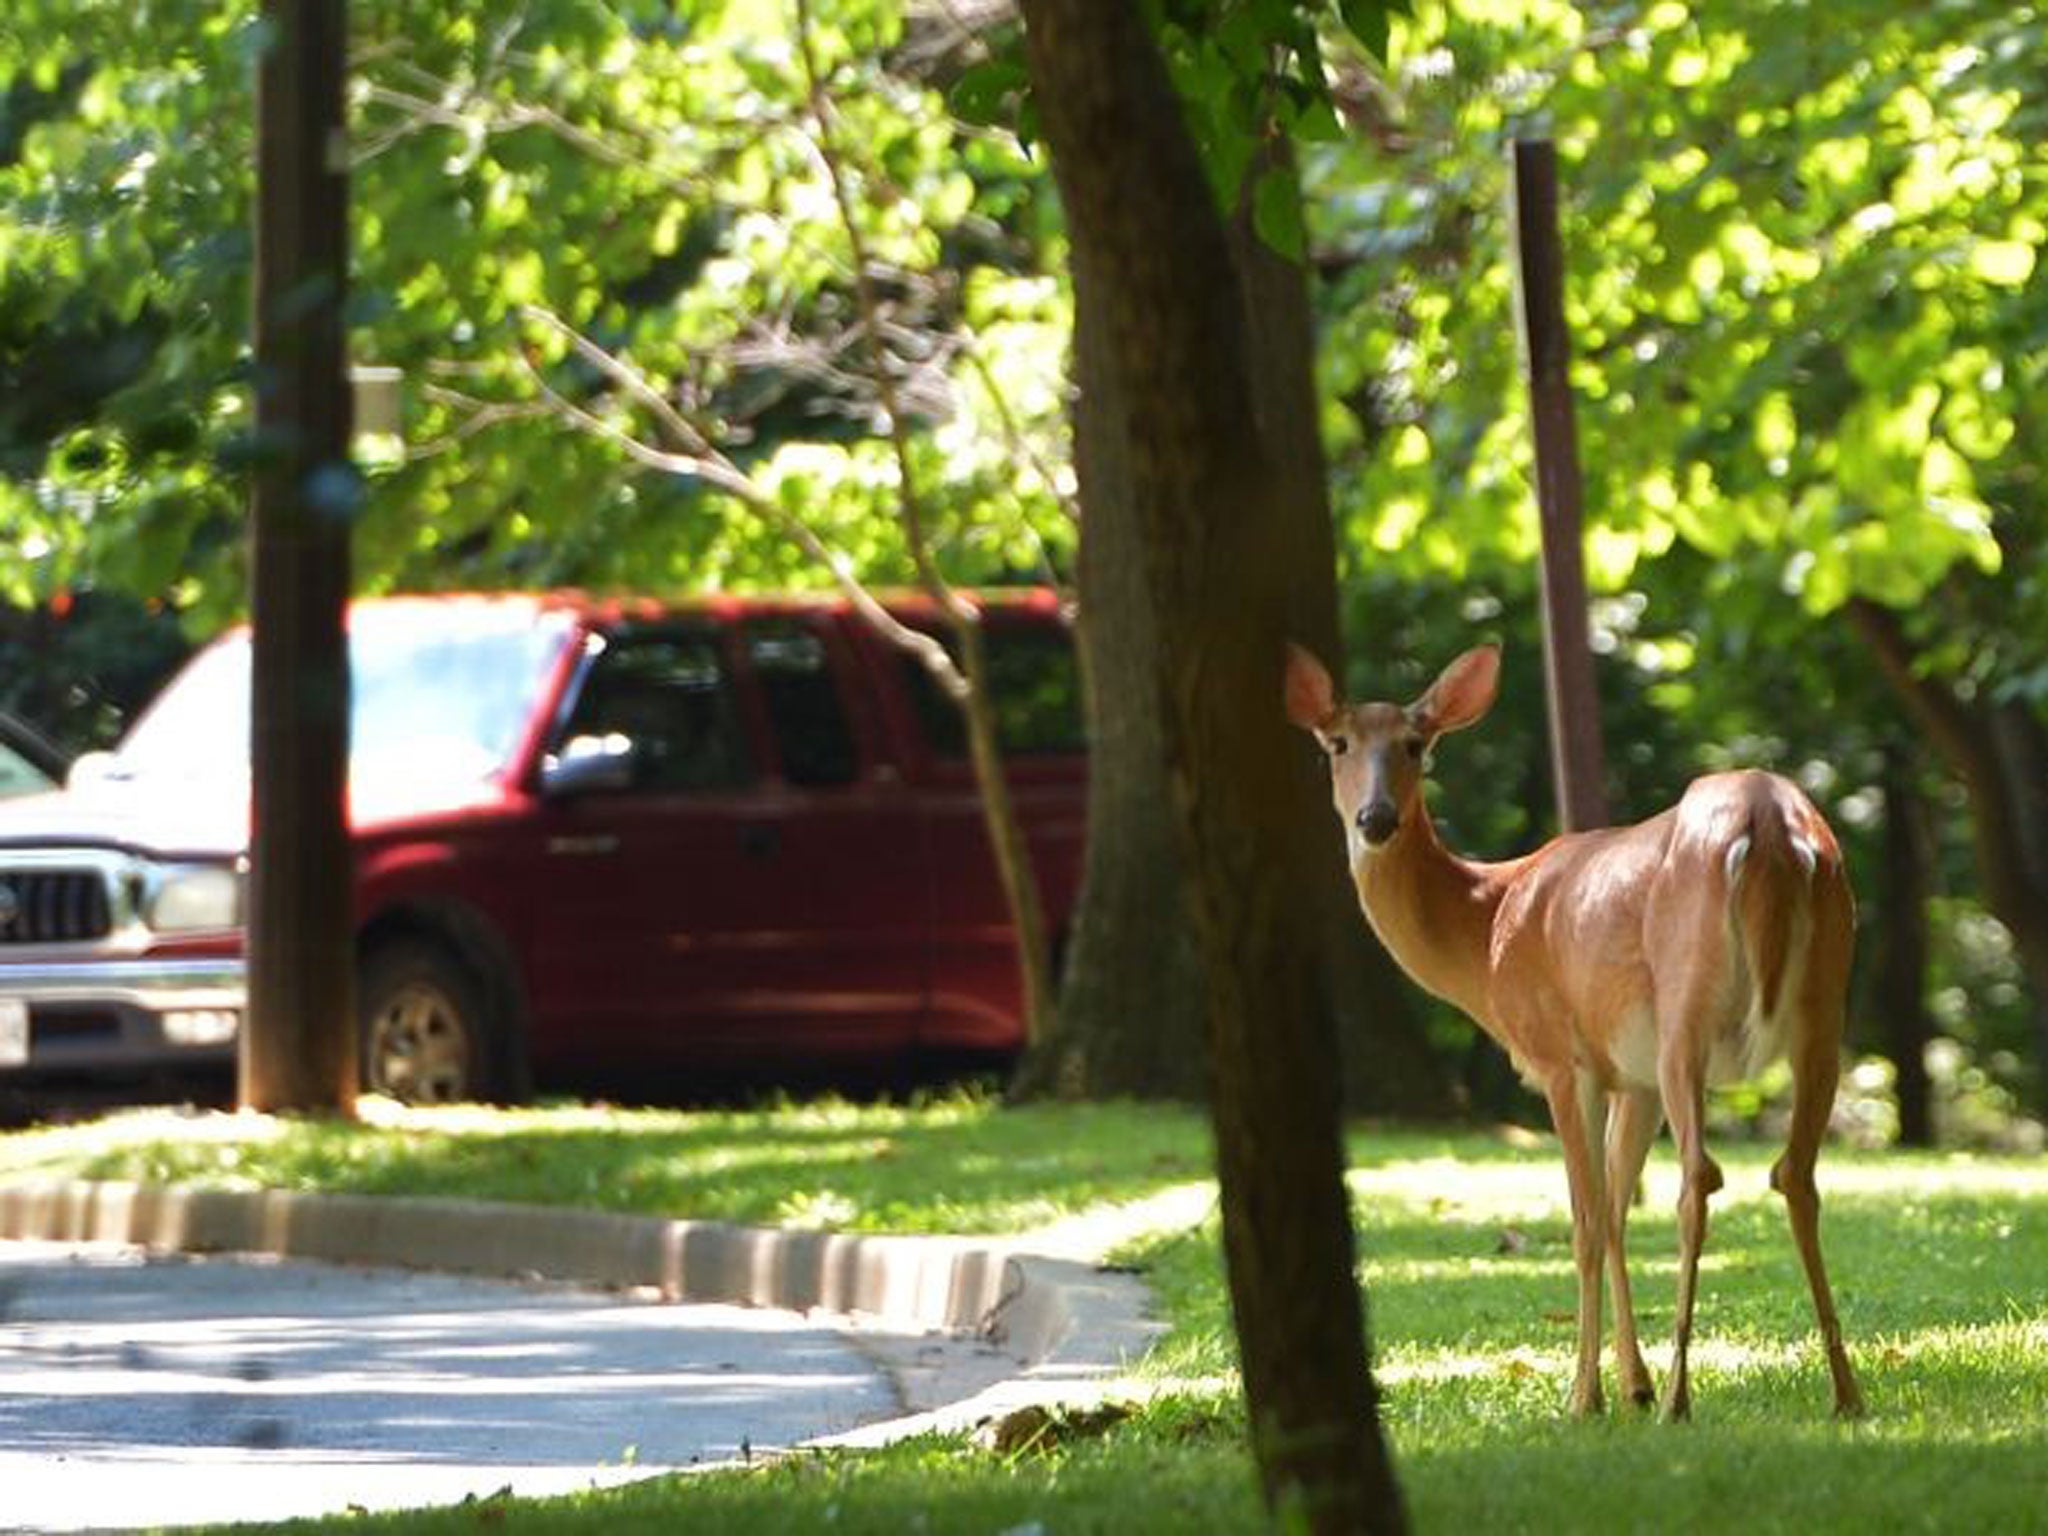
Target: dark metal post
{"points": [[298, 1041], [1575, 749]]}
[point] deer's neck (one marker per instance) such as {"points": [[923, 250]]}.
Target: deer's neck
{"points": [[1434, 912]]}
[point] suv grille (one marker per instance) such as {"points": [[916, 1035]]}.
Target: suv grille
{"points": [[53, 906]]}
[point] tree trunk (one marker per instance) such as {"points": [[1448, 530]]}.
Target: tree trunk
{"points": [[1901, 1001], [1998, 753], [1129, 1021], [1131, 1004], [1155, 283], [298, 1048]]}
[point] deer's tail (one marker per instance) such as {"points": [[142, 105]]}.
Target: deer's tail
{"points": [[1770, 876]]}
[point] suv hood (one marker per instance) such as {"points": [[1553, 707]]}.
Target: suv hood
{"points": [[173, 819], [202, 818]]}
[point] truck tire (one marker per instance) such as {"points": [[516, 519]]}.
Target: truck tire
{"points": [[426, 1033]]}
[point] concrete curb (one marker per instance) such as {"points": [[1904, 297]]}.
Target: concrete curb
{"points": [[1044, 1327]]}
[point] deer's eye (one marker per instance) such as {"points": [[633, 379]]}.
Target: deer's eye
{"points": [[1339, 745], [1416, 747]]}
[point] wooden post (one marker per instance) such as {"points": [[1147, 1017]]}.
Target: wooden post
{"points": [[1575, 752], [298, 1048]]}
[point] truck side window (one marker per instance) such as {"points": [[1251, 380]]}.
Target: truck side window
{"points": [[1037, 684], [668, 694], [812, 735]]}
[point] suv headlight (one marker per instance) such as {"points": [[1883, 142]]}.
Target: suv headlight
{"points": [[193, 898]]}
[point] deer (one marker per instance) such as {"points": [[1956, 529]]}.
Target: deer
{"points": [[1624, 970]]}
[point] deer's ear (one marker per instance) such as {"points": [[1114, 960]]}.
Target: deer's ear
{"points": [[1311, 699], [1463, 692]]}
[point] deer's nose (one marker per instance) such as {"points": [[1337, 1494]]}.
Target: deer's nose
{"points": [[1377, 820]]}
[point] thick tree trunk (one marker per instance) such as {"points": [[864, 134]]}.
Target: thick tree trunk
{"points": [[1156, 284], [1901, 1001], [1129, 1021], [1131, 1006]]}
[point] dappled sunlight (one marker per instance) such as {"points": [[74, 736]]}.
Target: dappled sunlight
{"points": [[51, 1146], [1496, 1266], [961, 1163], [1960, 1174], [2012, 1346]]}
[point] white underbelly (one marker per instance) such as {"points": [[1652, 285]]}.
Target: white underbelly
{"points": [[1634, 1049]]}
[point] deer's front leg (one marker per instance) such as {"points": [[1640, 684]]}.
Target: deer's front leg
{"points": [[1578, 1108]]}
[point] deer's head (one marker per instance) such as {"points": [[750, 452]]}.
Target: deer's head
{"points": [[1377, 752]]}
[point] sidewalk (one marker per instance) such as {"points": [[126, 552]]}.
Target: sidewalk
{"points": [[168, 1389]]}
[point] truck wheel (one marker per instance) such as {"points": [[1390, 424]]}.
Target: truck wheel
{"points": [[425, 1032]]}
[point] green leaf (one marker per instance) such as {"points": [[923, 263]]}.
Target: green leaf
{"points": [[989, 93], [1276, 213], [1370, 21]]}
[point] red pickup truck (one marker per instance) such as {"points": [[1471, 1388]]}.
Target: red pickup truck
{"points": [[593, 840]]}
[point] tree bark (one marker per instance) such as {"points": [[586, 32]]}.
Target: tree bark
{"points": [[1901, 1001], [298, 1045], [1997, 752], [1129, 1021], [1155, 279], [1131, 1005]]}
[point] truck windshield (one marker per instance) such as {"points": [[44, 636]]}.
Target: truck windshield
{"points": [[440, 688]]}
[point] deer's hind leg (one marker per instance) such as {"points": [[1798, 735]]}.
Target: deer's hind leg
{"points": [[1632, 1126], [1816, 1067]]}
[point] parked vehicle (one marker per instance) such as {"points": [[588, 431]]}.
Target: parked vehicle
{"points": [[29, 762], [591, 839]]}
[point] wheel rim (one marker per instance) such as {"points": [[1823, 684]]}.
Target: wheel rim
{"points": [[418, 1049]]}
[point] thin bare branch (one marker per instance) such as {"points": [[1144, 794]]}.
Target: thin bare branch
{"points": [[825, 147], [701, 460], [476, 415]]}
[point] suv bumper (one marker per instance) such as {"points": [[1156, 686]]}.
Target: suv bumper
{"points": [[120, 1015]]}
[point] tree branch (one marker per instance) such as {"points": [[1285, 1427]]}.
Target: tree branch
{"points": [[1948, 721], [700, 459]]}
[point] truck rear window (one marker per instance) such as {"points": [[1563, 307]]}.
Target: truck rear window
{"points": [[812, 737], [1037, 684]]}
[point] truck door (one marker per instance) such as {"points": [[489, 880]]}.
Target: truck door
{"points": [[720, 900], [647, 898], [838, 842]]}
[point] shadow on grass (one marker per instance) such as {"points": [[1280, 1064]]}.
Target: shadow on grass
{"points": [[965, 1168], [1463, 1284]]}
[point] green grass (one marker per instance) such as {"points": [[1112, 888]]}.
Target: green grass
{"points": [[951, 1164], [1940, 1266]]}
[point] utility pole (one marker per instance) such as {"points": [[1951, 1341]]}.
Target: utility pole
{"points": [[298, 1049], [1576, 756]]}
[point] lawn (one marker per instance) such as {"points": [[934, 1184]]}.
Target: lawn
{"points": [[1940, 1266]]}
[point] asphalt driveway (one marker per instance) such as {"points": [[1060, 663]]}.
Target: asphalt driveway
{"points": [[144, 1389]]}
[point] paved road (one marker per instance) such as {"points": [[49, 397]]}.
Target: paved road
{"points": [[151, 1390]]}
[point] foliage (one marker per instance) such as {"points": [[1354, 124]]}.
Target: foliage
{"points": [[1799, 264], [634, 170], [1465, 1238], [79, 669]]}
